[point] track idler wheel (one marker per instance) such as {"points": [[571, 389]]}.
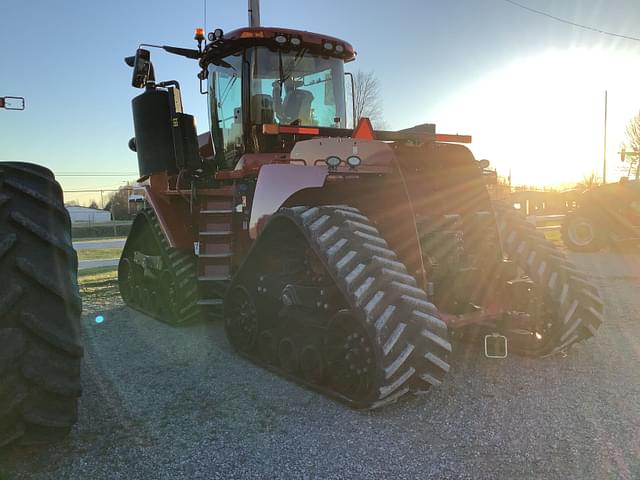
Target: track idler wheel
{"points": [[127, 281], [241, 322], [268, 347], [311, 364], [351, 362], [288, 355]]}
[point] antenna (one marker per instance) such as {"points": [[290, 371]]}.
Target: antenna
{"points": [[204, 25], [254, 13]]}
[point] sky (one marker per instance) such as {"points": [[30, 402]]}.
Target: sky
{"points": [[530, 90]]}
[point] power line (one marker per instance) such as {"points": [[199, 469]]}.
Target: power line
{"points": [[569, 22]]}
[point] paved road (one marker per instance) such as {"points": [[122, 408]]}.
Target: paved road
{"points": [[86, 264], [96, 244], [168, 403]]}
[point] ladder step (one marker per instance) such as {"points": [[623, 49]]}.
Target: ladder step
{"points": [[211, 302], [215, 278], [216, 255], [216, 234], [218, 211]]}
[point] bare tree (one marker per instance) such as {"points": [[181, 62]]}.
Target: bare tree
{"points": [[367, 99], [118, 203], [633, 139], [589, 181]]}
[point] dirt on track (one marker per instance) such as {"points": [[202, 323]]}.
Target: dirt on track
{"points": [[161, 402]]}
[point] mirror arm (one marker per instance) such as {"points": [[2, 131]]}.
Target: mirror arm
{"points": [[353, 97]]}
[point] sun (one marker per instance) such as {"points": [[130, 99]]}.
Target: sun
{"points": [[542, 117]]}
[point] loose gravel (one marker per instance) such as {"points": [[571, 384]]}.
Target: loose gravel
{"points": [[164, 403]]}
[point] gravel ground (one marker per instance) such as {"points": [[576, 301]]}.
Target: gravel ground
{"points": [[178, 403]]}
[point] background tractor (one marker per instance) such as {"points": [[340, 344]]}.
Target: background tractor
{"points": [[341, 258], [605, 215]]}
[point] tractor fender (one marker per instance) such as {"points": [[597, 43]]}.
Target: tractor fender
{"points": [[276, 183], [174, 217]]}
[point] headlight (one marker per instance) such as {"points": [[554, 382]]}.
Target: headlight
{"points": [[354, 161], [484, 164], [333, 162]]}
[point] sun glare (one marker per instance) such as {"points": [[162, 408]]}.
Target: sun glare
{"points": [[543, 117]]}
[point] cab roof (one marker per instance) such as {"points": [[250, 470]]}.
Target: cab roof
{"points": [[279, 38]]}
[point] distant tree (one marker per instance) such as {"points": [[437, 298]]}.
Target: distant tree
{"points": [[71, 203], [589, 181], [118, 203], [633, 144], [367, 97], [94, 205], [633, 133]]}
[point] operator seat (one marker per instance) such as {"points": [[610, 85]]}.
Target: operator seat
{"points": [[297, 106], [262, 109]]}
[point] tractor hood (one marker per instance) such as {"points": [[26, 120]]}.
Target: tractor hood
{"points": [[355, 155]]}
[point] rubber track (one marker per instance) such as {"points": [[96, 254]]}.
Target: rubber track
{"points": [[184, 274], [577, 302], [40, 348], [411, 340]]}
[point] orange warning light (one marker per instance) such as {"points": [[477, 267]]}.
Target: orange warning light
{"points": [[199, 34]]}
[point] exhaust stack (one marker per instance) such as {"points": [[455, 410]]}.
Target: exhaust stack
{"points": [[254, 13]]}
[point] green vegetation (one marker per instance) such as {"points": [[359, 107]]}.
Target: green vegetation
{"points": [[113, 229], [98, 275], [99, 289], [99, 254]]}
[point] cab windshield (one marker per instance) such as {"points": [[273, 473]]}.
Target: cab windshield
{"points": [[296, 88]]}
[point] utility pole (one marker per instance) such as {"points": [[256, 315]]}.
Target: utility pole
{"points": [[604, 159]]}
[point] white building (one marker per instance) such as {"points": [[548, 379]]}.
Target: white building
{"points": [[87, 215]]}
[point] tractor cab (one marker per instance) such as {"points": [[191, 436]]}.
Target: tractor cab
{"points": [[261, 79]]}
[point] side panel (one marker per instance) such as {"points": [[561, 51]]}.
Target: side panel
{"points": [[275, 184], [174, 217]]}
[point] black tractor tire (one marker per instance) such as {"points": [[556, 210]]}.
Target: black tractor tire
{"points": [[571, 308], [580, 233], [40, 348]]}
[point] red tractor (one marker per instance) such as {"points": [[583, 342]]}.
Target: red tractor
{"points": [[341, 258]]}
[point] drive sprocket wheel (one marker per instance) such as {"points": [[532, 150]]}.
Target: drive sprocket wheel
{"points": [[350, 357], [241, 319]]}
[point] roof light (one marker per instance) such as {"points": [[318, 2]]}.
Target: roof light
{"points": [[339, 48], [252, 34], [328, 46], [281, 39], [217, 34], [295, 41], [354, 161], [199, 34], [333, 162]]}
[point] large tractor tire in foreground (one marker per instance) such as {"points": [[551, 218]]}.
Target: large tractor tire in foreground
{"points": [[569, 309], [321, 299], [40, 348]]}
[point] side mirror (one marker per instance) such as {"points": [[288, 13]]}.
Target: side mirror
{"points": [[142, 69]]}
